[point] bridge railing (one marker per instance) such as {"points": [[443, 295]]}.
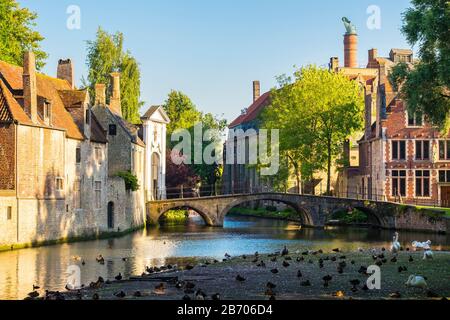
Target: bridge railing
{"points": [[319, 190]]}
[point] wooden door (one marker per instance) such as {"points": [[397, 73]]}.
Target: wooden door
{"points": [[445, 196]]}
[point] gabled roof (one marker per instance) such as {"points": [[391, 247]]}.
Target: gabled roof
{"points": [[253, 111], [129, 128], [47, 88], [152, 110], [98, 134], [10, 109]]}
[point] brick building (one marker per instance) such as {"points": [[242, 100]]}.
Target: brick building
{"points": [[401, 156]]}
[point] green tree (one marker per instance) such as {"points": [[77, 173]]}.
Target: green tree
{"points": [[425, 85], [315, 114], [17, 35], [185, 115], [106, 55]]}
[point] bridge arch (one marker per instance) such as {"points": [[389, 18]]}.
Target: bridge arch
{"points": [[202, 211], [304, 214], [373, 218]]}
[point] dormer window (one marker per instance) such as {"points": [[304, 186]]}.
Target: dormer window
{"points": [[415, 119]]}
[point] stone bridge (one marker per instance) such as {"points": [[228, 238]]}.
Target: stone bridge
{"points": [[313, 211]]}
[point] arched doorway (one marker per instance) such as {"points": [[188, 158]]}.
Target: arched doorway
{"points": [[155, 175], [111, 215]]}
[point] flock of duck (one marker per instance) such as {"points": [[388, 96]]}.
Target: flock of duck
{"points": [[188, 288]]}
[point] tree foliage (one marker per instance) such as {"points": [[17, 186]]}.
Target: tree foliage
{"points": [[17, 35], [185, 115], [316, 113], [425, 86], [106, 55]]}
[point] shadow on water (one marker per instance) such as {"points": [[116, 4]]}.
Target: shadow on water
{"points": [[192, 242]]}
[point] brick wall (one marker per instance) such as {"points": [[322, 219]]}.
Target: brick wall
{"points": [[7, 157]]}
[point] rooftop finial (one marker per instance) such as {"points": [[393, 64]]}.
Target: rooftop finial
{"points": [[351, 28]]}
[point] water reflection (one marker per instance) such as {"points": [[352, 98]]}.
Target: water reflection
{"points": [[47, 266]]}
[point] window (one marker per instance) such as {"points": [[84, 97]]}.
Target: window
{"points": [[59, 184], [444, 150], [444, 176], [47, 112], [98, 194], [112, 130], [422, 150], [78, 155], [399, 183], [77, 194], [398, 150], [8, 213], [88, 116], [422, 183], [415, 119], [98, 155]]}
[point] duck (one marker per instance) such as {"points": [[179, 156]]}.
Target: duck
{"points": [[306, 283], [35, 287], [428, 255], [411, 259], [416, 282], [394, 260], [362, 270], [120, 294], [300, 259], [262, 264], [227, 256], [119, 277], [240, 278], [160, 288], [421, 245], [285, 251], [337, 250], [395, 295], [327, 280], [100, 259], [274, 259], [137, 294], [33, 294], [274, 271], [215, 297], [189, 267], [402, 269], [286, 264], [200, 295], [95, 297], [395, 247], [271, 285], [299, 274]]}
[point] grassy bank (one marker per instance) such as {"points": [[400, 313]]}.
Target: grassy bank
{"points": [[269, 212], [175, 217], [100, 236]]}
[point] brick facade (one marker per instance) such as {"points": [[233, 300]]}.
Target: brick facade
{"points": [[7, 157]]}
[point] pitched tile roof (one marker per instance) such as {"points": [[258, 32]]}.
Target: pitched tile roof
{"points": [[253, 111], [10, 108], [47, 87]]}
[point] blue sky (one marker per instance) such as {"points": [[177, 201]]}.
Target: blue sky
{"points": [[212, 50]]}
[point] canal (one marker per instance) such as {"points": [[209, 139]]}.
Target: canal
{"points": [[193, 243]]}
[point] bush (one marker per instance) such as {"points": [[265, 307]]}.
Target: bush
{"points": [[175, 217], [131, 181], [349, 217]]}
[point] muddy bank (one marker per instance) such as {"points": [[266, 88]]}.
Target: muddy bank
{"points": [[297, 276]]}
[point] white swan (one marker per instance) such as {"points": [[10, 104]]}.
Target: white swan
{"points": [[416, 282], [421, 245], [428, 255], [395, 244]]}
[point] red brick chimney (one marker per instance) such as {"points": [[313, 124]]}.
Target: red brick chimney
{"points": [[100, 94], [351, 50], [334, 64], [29, 86], [114, 103], [256, 90], [65, 71]]}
